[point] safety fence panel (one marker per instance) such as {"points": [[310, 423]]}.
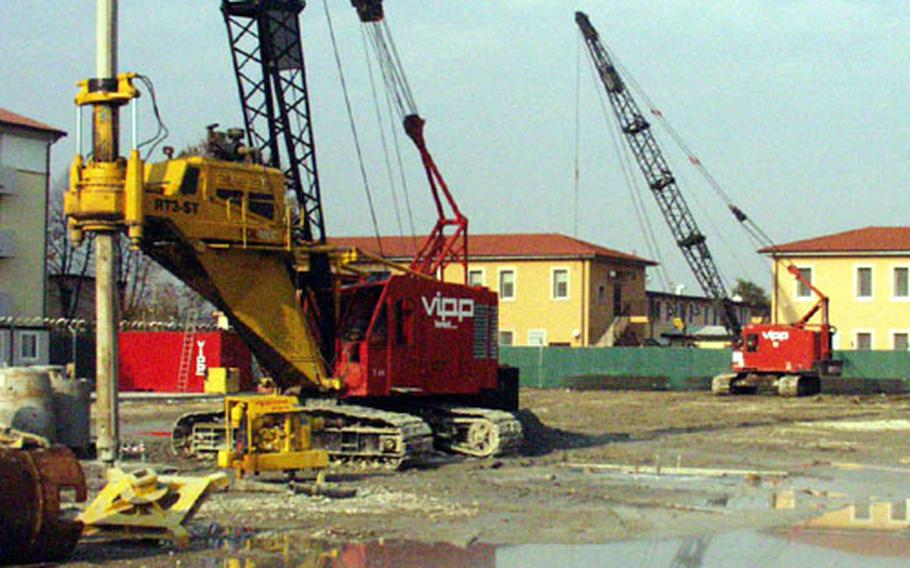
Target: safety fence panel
{"points": [[661, 368]]}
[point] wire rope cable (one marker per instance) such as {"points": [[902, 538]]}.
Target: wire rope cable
{"points": [[634, 189], [382, 137], [354, 133]]}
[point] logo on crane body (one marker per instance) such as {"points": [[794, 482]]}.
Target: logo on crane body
{"points": [[775, 336], [446, 311]]}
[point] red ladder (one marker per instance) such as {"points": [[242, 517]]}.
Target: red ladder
{"points": [[186, 352]]}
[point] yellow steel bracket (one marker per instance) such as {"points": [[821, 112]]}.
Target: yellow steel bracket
{"points": [[125, 92], [105, 196], [143, 505]]}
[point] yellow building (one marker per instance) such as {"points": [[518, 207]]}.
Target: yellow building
{"points": [[553, 289], [864, 272], [24, 175]]}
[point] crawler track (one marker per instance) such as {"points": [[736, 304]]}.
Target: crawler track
{"points": [[475, 431], [367, 438]]}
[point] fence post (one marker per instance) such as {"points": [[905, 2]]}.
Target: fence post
{"points": [[540, 367]]}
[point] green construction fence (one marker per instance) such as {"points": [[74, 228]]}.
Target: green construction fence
{"points": [[680, 368]]}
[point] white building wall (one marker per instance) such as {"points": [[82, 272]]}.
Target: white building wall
{"points": [[23, 222]]}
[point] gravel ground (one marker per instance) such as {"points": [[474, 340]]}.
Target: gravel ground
{"points": [[835, 449]]}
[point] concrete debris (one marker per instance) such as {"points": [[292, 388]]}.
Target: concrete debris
{"points": [[670, 470]]}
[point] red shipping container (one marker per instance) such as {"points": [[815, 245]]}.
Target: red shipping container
{"points": [[150, 360]]}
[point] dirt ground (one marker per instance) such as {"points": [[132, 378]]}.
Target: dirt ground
{"points": [[827, 451]]}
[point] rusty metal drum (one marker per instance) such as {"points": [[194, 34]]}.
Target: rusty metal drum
{"points": [[26, 401], [33, 527]]}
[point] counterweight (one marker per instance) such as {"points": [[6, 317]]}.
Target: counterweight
{"points": [[637, 133]]}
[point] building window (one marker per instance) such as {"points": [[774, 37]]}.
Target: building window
{"points": [[602, 294], [560, 284], [802, 290], [901, 286], [507, 285], [475, 277], [863, 341], [864, 282], [900, 341], [537, 337], [28, 346], [655, 310], [506, 338], [862, 512]]}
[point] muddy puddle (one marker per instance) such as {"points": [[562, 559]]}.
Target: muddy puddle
{"points": [[869, 533]]}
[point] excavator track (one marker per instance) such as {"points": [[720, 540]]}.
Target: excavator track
{"points": [[356, 437], [367, 438], [750, 383], [474, 431]]}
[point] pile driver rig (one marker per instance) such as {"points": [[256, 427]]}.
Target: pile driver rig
{"points": [[788, 358], [391, 364]]}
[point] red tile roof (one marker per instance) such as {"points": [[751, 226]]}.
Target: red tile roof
{"points": [[529, 245], [13, 119], [868, 239]]}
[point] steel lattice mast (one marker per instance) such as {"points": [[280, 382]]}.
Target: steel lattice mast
{"points": [[267, 52], [637, 132]]}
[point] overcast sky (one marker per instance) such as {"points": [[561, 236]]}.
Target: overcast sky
{"points": [[801, 108]]}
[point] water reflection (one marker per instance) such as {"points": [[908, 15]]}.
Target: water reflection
{"points": [[287, 550], [869, 533]]}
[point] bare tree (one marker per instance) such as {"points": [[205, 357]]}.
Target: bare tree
{"points": [[71, 267], [132, 273], [70, 263]]}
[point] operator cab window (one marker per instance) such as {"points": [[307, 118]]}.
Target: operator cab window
{"points": [[752, 342]]}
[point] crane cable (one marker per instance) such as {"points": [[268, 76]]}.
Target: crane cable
{"points": [[379, 121], [392, 71], [162, 131], [577, 132], [751, 228], [634, 189], [402, 175], [347, 104], [399, 97], [753, 232]]}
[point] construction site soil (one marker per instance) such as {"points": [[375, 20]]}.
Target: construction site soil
{"points": [[595, 467]]}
